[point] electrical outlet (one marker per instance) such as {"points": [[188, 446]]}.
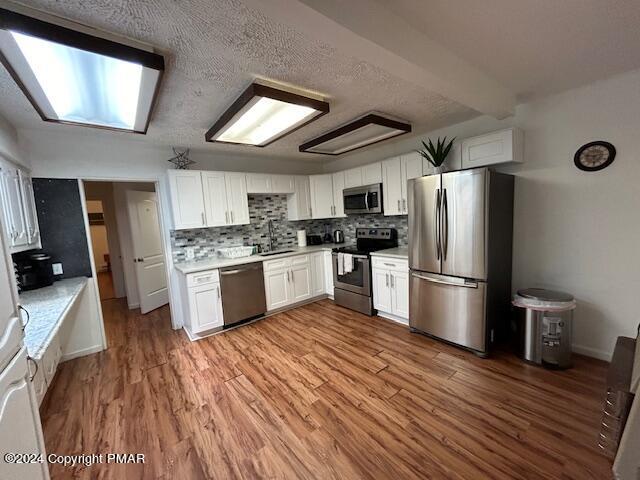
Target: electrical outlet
{"points": [[190, 253], [57, 268]]}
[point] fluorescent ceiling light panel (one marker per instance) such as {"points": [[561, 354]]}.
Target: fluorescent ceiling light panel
{"points": [[262, 115], [370, 129], [73, 77]]}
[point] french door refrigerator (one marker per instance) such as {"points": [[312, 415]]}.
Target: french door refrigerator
{"points": [[460, 243]]}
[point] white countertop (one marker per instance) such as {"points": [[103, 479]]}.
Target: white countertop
{"points": [[218, 262], [398, 252], [47, 306]]}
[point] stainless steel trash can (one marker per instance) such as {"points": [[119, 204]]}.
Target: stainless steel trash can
{"points": [[545, 324]]}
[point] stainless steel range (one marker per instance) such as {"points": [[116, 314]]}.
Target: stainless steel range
{"points": [[352, 268]]}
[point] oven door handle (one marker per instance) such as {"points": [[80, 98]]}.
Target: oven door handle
{"points": [[363, 257]]}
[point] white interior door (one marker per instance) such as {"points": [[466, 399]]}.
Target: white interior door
{"points": [[147, 249]]}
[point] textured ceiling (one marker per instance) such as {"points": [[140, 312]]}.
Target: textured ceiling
{"points": [[534, 48], [213, 50]]}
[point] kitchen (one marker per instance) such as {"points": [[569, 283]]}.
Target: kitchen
{"points": [[328, 283]]}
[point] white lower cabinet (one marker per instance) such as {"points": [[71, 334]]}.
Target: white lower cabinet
{"points": [[202, 301], [391, 287], [328, 272], [294, 279], [20, 421]]}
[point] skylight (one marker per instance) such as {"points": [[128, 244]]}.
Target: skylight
{"points": [[73, 77]]}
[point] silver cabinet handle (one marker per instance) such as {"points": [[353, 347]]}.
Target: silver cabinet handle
{"points": [[24, 325], [288, 281], [202, 217], [391, 277], [399, 209], [226, 217], [386, 275], [389, 264], [218, 290], [310, 212], [29, 358], [404, 205]]}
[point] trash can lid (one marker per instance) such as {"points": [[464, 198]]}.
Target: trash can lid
{"points": [[545, 295]]}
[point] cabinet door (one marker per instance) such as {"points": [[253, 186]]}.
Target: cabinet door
{"points": [[276, 285], [494, 148], [215, 199], [237, 200], [392, 185], [29, 207], [400, 293], [328, 273], [20, 421], [299, 204], [282, 184], [205, 307], [381, 290], [10, 324], [353, 178], [13, 195], [317, 274], [372, 173], [187, 200], [321, 187], [259, 183], [338, 196], [300, 282], [411, 168]]}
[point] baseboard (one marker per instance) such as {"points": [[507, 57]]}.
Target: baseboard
{"points": [[133, 306], [592, 352], [81, 353], [394, 318]]}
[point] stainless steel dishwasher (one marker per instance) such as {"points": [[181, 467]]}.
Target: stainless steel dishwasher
{"points": [[243, 295]]}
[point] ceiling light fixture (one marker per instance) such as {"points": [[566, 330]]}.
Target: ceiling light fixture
{"points": [[261, 115], [367, 130], [76, 78]]}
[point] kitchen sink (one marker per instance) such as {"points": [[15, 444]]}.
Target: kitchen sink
{"points": [[277, 252]]}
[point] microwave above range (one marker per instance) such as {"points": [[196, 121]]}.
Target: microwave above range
{"points": [[367, 199]]}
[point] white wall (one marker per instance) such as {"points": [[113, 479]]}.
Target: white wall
{"points": [[9, 144], [573, 231]]}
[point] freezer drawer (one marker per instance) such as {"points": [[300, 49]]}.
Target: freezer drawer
{"points": [[449, 308]]}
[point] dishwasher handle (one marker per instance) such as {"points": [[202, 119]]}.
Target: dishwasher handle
{"points": [[240, 270]]}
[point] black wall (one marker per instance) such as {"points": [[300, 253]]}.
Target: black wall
{"points": [[62, 226]]}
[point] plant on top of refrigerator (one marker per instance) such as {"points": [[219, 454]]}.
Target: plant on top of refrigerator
{"points": [[436, 154]]}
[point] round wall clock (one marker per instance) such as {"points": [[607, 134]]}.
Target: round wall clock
{"points": [[594, 156]]}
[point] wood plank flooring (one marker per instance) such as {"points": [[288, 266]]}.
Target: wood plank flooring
{"points": [[318, 392]]}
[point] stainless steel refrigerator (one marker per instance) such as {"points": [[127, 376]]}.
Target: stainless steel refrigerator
{"points": [[460, 243]]}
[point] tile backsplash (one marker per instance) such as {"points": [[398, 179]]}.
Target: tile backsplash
{"points": [[263, 208]]}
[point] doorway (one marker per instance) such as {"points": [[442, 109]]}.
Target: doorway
{"points": [[128, 251]]}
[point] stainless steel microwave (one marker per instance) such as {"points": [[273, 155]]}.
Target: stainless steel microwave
{"points": [[367, 199]]}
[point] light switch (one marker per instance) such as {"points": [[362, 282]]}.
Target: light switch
{"points": [[57, 268], [190, 253]]}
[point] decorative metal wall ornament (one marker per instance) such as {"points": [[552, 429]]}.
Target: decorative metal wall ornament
{"points": [[181, 159]]}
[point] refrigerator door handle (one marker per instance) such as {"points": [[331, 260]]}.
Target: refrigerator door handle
{"points": [[437, 223], [444, 231], [462, 283]]}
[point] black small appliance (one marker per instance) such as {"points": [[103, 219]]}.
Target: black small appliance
{"points": [[33, 271]]}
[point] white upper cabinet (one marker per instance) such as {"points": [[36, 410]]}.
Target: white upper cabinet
{"points": [[237, 200], [215, 199], [299, 204], [392, 186], [353, 178], [493, 148], [338, 195], [282, 183], [259, 183], [412, 165], [321, 188], [372, 173], [187, 201], [18, 209], [208, 199]]}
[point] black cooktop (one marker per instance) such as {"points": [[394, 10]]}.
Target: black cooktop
{"points": [[370, 240]]}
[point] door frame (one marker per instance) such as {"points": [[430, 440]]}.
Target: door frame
{"points": [[163, 205]]}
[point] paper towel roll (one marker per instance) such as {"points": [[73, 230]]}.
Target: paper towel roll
{"points": [[302, 238]]}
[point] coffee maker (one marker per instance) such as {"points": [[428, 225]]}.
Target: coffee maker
{"points": [[33, 271]]}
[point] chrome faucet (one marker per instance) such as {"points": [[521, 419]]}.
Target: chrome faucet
{"points": [[271, 236]]}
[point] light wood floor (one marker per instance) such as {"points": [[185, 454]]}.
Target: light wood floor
{"points": [[105, 286], [319, 392]]}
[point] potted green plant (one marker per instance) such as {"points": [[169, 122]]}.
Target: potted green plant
{"points": [[436, 154]]}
